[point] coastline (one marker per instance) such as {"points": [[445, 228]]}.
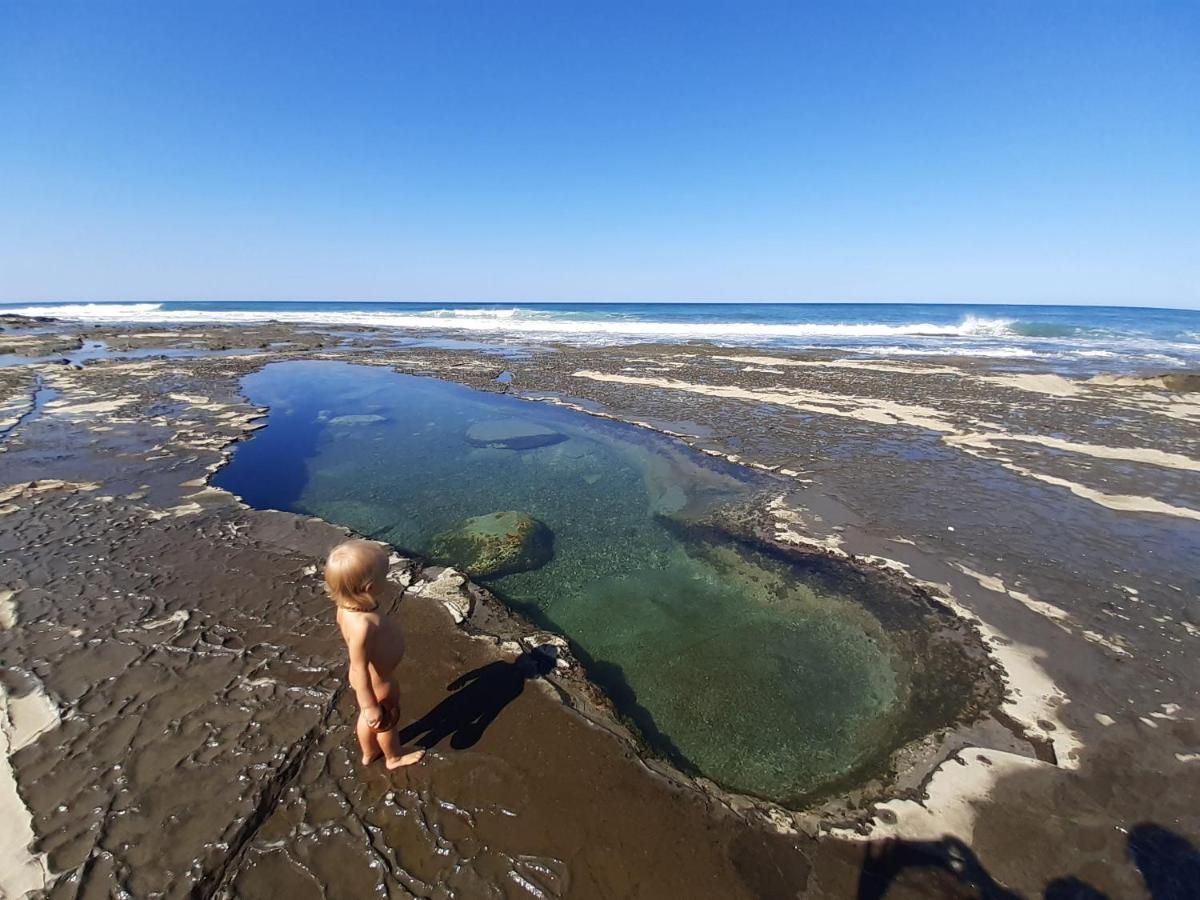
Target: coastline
{"points": [[1063, 655]]}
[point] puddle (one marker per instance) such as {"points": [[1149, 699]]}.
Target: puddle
{"points": [[99, 350], [758, 672], [42, 395]]}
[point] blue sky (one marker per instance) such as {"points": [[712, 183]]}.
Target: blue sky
{"points": [[966, 151]]}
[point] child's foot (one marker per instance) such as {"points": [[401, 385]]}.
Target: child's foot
{"points": [[369, 758], [408, 759]]}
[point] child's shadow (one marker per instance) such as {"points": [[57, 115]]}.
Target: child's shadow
{"points": [[481, 695]]}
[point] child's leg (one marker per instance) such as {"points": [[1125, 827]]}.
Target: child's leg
{"points": [[368, 740], [394, 756]]}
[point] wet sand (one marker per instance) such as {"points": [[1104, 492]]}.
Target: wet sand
{"points": [[174, 651]]}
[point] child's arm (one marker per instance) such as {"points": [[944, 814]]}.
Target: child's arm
{"points": [[360, 678]]}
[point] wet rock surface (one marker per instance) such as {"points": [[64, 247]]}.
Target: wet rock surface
{"points": [[202, 742], [1090, 608]]}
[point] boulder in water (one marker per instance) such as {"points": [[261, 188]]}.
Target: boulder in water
{"points": [[499, 543], [512, 434]]}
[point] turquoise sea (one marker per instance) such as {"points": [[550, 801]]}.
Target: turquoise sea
{"points": [[1064, 337]]}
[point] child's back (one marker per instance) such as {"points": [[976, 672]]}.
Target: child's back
{"points": [[356, 576]]}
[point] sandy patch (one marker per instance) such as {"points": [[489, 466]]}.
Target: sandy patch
{"points": [[1051, 385], [1171, 406], [193, 399], [1058, 616], [897, 368], [885, 412], [1169, 381], [952, 797], [1119, 502], [28, 718], [32, 488], [788, 520], [1108, 643], [864, 409], [96, 407], [21, 721], [13, 409], [8, 610], [1146, 455], [1032, 697]]}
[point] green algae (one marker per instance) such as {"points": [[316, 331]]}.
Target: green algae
{"points": [[495, 544]]}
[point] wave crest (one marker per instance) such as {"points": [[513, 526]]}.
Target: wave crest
{"points": [[498, 313], [91, 311], [519, 320], [979, 326]]}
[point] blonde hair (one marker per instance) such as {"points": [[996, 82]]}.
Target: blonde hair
{"points": [[353, 571]]}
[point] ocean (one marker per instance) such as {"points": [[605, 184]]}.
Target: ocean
{"points": [[1061, 337]]}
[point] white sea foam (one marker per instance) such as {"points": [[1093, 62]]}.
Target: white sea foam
{"points": [[517, 320], [506, 313], [978, 326], [974, 336], [944, 350], [106, 312]]}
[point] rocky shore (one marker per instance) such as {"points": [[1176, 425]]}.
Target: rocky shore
{"points": [[174, 717]]}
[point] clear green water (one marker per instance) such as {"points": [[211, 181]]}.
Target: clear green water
{"points": [[734, 665]]}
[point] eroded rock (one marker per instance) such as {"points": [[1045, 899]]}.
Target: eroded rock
{"points": [[450, 589]]}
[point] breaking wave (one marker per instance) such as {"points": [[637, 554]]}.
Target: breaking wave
{"points": [[520, 320], [1098, 336], [100, 312]]}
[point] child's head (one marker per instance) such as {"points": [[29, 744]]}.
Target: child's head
{"points": [[356, 574]]}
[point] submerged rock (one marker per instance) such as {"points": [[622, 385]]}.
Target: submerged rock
{"points": [[367, 419], [496, 544], [512, 434]]}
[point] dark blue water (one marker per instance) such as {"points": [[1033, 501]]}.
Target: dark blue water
{"points": [[1081, 337]]}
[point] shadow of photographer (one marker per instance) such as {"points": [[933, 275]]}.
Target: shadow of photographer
{"points": [[1168, 862]]}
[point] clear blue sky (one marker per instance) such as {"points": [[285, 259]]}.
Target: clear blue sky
{"points": [[569, 150]]}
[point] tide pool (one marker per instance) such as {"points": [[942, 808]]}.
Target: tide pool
{"points": [[757, 671]]}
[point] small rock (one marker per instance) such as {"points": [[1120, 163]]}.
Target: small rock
{"points": [[449, 589], [550, 646]]}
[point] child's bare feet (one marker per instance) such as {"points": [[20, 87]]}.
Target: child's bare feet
{"points": [[369, 758], [408, 759]]}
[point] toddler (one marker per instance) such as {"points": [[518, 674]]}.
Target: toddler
{"points": [[356, 576]]}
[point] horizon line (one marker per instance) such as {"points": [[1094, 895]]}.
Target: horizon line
{"points": [[1031, 303]]}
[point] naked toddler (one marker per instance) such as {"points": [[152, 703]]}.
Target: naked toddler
{"points": [[356, 576]]}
